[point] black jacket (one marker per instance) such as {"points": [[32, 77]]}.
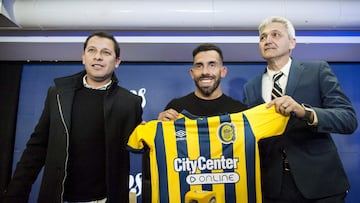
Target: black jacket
{"points": [[48, 144]]}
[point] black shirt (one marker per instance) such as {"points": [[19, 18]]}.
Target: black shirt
{"points": [[201, 107], [85, 180]]}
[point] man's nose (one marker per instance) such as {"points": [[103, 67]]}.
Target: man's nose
{"points": [[98, 55]]}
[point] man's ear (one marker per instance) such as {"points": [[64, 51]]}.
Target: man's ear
{"points": [[118, 61], [223, 72], [191, 73], [292, 44]]}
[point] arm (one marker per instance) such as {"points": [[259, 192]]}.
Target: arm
{"points": [[331, 107], [336, 115]]}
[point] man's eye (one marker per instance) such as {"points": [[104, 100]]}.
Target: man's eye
{"points": [[275, 34], [107, 53]]}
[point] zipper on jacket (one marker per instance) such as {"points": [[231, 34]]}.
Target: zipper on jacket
{"points": [[67, 145]]}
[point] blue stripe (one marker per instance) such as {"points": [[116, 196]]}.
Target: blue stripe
{"points": [[162, 165], [228, 152], [353, 32], [204, 144], [250, 144], [182, 149]]}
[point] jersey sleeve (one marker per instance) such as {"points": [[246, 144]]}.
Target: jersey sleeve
{"points": [[266, 122], [143, 134]]}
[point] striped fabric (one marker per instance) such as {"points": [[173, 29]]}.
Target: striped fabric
{"points": [[276, 91]]}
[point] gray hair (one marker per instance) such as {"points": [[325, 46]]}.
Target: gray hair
{"points": [[278, 19]]}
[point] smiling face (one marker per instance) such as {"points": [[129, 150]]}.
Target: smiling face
{"points": [[275, 43], [207, 72], [100, 60]]}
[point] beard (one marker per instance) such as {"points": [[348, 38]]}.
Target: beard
{"points": [[207, 91]]}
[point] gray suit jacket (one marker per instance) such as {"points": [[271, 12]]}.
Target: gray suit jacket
{"points": [[312, 154]]}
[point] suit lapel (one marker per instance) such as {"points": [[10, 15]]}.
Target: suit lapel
{"points": [[255, 93], [66, 100], [295, 73], [258, 92]]}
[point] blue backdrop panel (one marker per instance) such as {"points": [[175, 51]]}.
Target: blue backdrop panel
{"points": [[157, 84]]}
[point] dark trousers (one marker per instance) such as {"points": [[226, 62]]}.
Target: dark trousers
{"points": [[291, 194]]}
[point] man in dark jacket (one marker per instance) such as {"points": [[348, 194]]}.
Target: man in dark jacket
{"points": [[82, 133], [302, 165]]}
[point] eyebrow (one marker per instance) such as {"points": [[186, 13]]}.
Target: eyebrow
{"points": [[109, 49], [275, 30]]}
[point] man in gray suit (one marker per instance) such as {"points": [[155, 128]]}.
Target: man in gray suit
{"points": [[303, 164]]}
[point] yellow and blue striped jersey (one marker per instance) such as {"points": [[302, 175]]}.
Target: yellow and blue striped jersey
{"points": [[217, 153]]}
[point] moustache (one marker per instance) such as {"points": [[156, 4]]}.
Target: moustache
{"points": [[207, 76]]}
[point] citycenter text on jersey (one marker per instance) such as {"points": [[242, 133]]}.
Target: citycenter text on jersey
{"points": [[202, 163]]}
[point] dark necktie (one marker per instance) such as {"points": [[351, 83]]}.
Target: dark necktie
{"points": [[276, 91]]}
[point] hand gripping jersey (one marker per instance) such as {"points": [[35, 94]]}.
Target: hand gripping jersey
{"points": [[217, 153]]}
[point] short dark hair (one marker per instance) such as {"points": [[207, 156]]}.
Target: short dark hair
{"points": [[105, 35], [208, 47]]}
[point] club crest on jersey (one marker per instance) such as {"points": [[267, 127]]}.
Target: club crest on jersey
{"points": [[227, 133]]}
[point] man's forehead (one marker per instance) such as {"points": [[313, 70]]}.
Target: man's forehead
{"points": [[100, 43], [207, 55]]}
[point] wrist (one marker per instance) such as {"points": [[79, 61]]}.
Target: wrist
{"points": [[309, 113]]}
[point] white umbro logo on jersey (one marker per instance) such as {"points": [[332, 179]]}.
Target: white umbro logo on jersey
{"points": [[180, 135]]}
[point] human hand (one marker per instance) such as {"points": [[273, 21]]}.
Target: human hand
{"points": [[286, 105], [168, 115]]}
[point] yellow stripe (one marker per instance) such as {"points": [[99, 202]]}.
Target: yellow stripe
{"points": [[171, 152]]}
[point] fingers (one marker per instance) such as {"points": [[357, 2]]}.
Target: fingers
{"points": [[284, 109], [168, 115], [270, 104], [284, 105]]}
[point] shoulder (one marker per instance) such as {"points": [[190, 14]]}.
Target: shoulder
{"points": [[122, 91], [225, 97], [186, 98], [181, 103], [320, 64], [68, 78], [234, 103], [70, 81], [123, 95], [253, 81]]}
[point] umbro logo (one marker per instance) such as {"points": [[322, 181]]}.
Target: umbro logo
{"points": [[180, 135]]}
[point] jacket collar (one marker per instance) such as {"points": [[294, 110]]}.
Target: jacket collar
{"points": [[75, 81]]}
